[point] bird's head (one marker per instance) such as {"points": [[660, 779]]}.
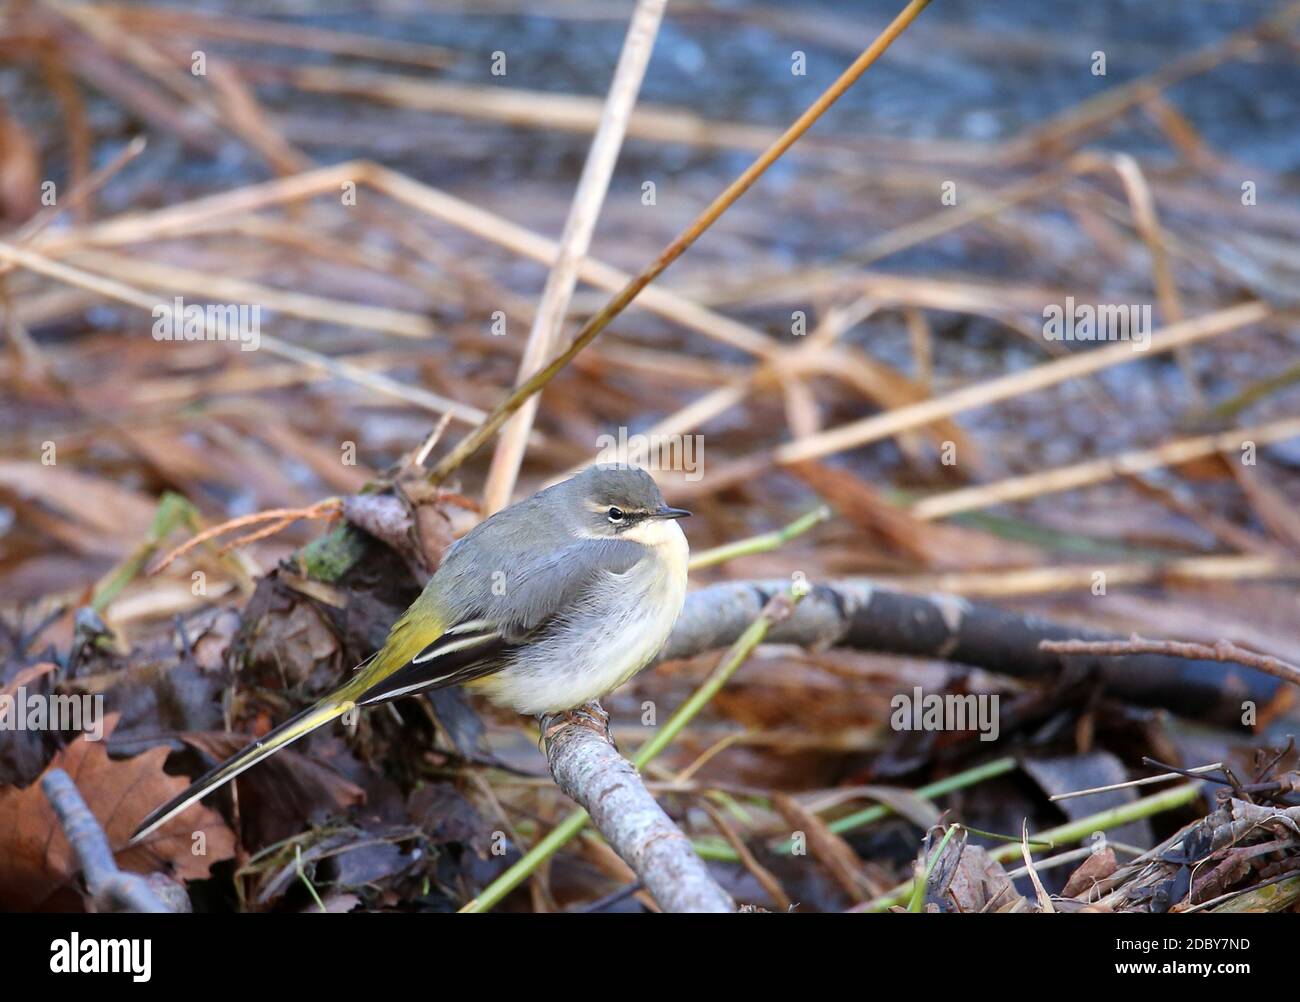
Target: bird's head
{"points": [[616, 501]]}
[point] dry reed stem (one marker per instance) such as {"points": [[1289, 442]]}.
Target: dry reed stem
{"points": [[202, 212], [1074, 123], [1080, 578], [78, 195], [1095, 471], [872, 429], [1143, 206], [480, 435], [224, 288], [496, 229], [150, 18], [544, 338], [112, 289], [530, 108]]}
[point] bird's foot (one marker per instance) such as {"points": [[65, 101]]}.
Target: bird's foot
{"points": [[589, 715]]}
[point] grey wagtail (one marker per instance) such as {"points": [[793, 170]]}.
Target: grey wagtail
{"points": [[548, 604]]}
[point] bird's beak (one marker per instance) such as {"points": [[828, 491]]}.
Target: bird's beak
{"points": [[666, 512]]}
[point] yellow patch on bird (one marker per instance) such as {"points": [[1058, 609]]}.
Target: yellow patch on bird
{"points": [[412, 633]]}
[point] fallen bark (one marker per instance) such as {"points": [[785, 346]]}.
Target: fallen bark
{"points": [[589, 769], [860, 614]]}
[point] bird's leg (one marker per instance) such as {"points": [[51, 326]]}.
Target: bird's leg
{"points": [[589, 715]]}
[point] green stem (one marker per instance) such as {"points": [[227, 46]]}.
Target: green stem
{"points": [[918, 889], [1273, 897], [949, 784], [173, 511], [737, 656], [1255, 392], [722, 852], [763, 543], [1015, 839], [496, 891], [302, 875]]}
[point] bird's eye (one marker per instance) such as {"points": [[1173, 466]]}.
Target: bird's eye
{"points": [[615, 515]]}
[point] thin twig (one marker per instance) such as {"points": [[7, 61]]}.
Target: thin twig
{"points": [[1144, 781], [278, 518], [475, 440], [1220, 650], [111, 888], [762, 874], [79, 194]]}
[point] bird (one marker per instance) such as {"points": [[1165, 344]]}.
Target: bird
{"points": [[547, 605]]}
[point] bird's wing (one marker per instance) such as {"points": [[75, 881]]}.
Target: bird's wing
{"points": [[419, 654], [468, 651]]}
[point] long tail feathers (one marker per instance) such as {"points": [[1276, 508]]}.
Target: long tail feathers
{"points": [[412, 633], [291, 730]]}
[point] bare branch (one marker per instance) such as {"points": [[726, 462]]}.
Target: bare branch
{"points": [[112, 889], [1221, 650], [862, 614], [588, 768]]}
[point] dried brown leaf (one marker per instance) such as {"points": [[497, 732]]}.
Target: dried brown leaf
{"points": [[1098, 866], [980, 884]]}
